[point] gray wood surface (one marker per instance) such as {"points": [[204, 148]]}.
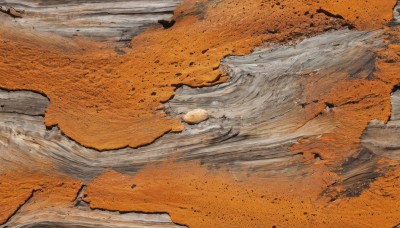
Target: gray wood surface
{"points": [[115, 20]]}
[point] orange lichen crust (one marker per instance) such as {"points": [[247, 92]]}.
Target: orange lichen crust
{"points": [[196, 197], [353, 104], [16, 188], [106, 101]]}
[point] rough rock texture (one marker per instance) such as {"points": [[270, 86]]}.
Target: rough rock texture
{"points": [[302, 128]]}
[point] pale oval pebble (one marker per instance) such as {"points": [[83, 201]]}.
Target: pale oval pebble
{"points": [[195, 116]]}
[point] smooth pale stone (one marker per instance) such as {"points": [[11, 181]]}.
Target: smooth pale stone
{"points": [[195, 116]]}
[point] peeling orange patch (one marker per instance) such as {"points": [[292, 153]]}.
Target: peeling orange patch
{"points": [[44, 190], [106, 101], [196, 197]]}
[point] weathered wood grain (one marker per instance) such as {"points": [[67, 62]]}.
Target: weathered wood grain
{"points": [[27, 103], [86, 217], [254, 117], [256, 113], [101, 19]]}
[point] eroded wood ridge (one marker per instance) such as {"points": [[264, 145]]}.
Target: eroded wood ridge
{"points": [[276, 121], [103, 20]]}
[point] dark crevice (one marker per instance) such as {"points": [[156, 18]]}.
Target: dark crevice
{"points": [[79, 194], [318, 156], [349, 26], [329, 14], [166, 24], [337, 16], [20, 113], [329, 105], [395, 89]]}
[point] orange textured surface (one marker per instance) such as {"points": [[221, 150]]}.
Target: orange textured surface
{"points": [[355, 103], [351, 114], [48, 190], [196, 197], [106, 101]]}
